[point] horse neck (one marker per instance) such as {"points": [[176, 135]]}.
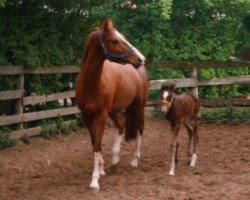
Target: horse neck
{"points": [[91, 69]]}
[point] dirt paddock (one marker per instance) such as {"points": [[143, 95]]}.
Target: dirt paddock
{"points": [[61, 168]]}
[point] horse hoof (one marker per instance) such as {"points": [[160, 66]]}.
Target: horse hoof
{"points": [[102, 173], [94, 187], [171, 173], [134, 162], [115, 161], [192, 164]]}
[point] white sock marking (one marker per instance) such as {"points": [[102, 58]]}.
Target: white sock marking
{"points": [[101, 166], [171, 172], [116, 149], [137, 153], [96, 174], [193, 160]]}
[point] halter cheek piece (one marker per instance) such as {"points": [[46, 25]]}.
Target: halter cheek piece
{"points": [[113, 55], [169, 103]]}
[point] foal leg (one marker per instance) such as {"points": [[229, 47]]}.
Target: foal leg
{"points": [[119, 123], [174, 148], [196, 139], [190, 134]]}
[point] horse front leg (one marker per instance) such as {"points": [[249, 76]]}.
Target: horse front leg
{"points": [[96, 129], [174, 148], [96, 173]]}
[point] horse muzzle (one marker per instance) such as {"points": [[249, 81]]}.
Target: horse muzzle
{"points": [[164, 106], [138, 63]]}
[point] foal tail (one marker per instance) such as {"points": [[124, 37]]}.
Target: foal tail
{"points": [[134, 121]]}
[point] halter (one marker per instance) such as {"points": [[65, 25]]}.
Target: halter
{"points": [[169, 102], [113, 55]]}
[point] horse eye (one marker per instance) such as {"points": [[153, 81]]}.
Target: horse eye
{"points": [[114, 41]]}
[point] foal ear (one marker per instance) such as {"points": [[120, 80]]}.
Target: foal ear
{"points": [[108, 25], [167, 86], [172, 87]]}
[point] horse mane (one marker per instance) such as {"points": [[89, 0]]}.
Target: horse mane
{"points": [[91, 35]]}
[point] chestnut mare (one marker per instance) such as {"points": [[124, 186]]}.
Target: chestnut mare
{"points": [[178, 110], [106, 87]]}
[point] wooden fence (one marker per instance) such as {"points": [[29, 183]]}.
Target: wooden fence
{"points": [[20, 117]]}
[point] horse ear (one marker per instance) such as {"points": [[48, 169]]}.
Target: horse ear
{"points": [[108, 25], [164, 86]]}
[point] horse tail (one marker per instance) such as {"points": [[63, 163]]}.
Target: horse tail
{"points": [[133, 121]]}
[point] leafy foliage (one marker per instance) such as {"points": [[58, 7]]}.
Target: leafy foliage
{"points": [[217, 115], [5, 141], [53, 33], [223, 115], [60, 128]]}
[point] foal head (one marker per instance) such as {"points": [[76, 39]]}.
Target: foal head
{"points": [[167, 96], [116, 48]]}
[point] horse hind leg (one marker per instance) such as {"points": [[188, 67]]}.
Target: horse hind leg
{"points": [[137, 153], [140, 110], [119, 123]]}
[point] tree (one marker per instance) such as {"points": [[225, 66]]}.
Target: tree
{"points": [[2, 2]]}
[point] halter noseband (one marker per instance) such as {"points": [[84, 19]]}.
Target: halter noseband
{"points": [[113, 55]]}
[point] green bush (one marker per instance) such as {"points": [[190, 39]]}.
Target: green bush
{"points": [[217, 115], [5, 141], [206, 74], [222, 115], [59, 128]]}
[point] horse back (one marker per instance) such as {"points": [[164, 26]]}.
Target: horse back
{"points": [[185, 106]]}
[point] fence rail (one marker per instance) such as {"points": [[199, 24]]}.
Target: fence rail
{"points": [[20, 117]]}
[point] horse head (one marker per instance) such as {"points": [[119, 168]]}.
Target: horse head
{"points": [[116, 48], [167, 97]]}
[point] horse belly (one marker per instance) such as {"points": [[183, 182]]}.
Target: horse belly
{"points": [[121, 101]]}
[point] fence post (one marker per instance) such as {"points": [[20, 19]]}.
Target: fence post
{"points": [[19, 102], [194, 75]]}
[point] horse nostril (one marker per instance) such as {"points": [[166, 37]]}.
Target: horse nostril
{"points": [[137, 63]]}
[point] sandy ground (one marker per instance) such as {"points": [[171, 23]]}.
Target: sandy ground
{"points": [[61, 168]]}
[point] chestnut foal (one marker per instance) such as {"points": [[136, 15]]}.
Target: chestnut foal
{"points": [[178, 110]]}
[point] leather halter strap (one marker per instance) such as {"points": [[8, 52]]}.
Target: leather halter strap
{"points": [[113, 55], [169, 102]]}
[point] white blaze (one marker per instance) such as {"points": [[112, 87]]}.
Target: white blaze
{"points": [[165, 95], [139, 54]]}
